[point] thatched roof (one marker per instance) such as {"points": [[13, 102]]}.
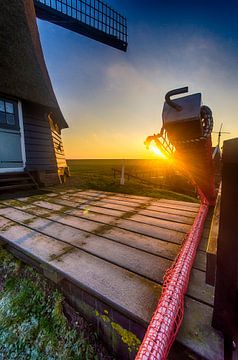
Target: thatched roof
{"points": [[23, 72]]}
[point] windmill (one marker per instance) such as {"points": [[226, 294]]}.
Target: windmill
{"points": [[30, 118], [217, 149]]}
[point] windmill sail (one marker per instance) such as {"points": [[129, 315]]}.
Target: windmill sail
{"points": [[92, 18]]}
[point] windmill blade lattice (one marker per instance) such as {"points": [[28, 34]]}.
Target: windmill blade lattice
{"points": [[92, 18]]}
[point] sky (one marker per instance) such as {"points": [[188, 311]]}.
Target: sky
{"points": [[113, 100]]}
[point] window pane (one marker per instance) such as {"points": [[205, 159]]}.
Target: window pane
{"points": [[10, 119], [2, 107], [2, 117], [9, 108]]}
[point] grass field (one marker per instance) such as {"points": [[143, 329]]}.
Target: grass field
{"points": [[98, 175]]}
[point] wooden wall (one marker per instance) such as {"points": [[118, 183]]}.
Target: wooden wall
{"points": [[43, 143], [58, 144], [38, 140]]}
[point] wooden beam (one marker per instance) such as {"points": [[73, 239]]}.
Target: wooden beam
{"points": [[211, 252], [47, 12], [226, 291]]}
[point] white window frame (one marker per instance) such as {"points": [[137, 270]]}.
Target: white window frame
{"points": [[23, 150]]}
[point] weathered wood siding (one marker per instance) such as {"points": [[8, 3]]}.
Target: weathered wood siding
{"points": [[38, 140], [58, 145]]}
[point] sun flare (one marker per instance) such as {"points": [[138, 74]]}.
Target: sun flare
{"points": [[157, 151]]}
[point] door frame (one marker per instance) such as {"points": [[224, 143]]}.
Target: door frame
{"points": [[22, 137]]}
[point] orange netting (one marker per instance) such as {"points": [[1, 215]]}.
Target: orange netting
{"points": [[169, 313]]}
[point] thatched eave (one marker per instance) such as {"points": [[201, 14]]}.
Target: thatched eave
{"points": [[23, 73]]}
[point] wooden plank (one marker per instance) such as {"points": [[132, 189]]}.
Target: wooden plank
{"points": [[97, 276], [156, 221], [203, 243], [164, 215], [206, 231], [141, 199], [197, 334], [147, 265], [29, 135], [34, 140], [225, 305], [38, 129], [41, 162], [36, 146], [126, 200], [90, 193], [96, 209], [48, 205], [56, 136], [138, 241], [174, 206], [162, 221], [111, 284], [194, 334], [81, 219], [211, 251], [103, 206], [116, 210], [67, 199], [83, 197], [200, 261], [168, 210], [154, 246], [143, 228], [200, 264], [46, 155], [101, 278], [36, 122], [120, 204], [198, 289], [179, 202], [149, 230], [123, 196], [161, 233], [146, 199], [36, 245]]}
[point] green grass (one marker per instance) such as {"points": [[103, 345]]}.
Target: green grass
{"points": [[98, 175], [32, 321]]}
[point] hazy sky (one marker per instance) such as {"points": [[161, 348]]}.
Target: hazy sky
{"points": [[112, 100]]}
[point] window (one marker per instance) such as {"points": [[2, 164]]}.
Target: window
{"points": [[8, 114]]}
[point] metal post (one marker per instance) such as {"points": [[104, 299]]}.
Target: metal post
{"points": [[225, 316], [122, 180]]}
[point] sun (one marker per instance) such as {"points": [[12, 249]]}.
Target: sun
{"points": [[157, 151]]}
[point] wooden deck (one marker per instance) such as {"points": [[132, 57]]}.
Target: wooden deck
{"points": [[108, 253]]}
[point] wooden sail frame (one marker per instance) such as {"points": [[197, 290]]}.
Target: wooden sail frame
{"points": [[92, 18]]}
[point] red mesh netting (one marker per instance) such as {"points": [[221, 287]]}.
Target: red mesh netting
{"points": [[168, 315]]}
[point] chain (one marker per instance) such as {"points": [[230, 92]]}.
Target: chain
{"points": [[207, 125]]}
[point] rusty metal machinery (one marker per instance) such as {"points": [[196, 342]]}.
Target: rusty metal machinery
{"points": [[186, 137]]}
